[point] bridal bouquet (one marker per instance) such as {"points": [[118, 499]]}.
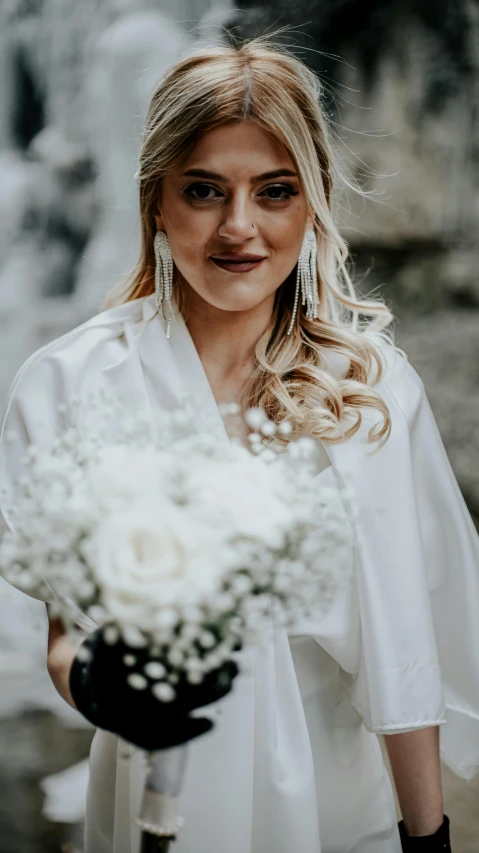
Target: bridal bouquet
{"points": [[174, 540]]}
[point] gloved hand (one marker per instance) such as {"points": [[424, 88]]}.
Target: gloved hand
{"points": [[102, 694], [440, 842]]}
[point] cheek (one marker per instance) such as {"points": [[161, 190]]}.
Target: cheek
{"points": [[189, 255], [289, 222], [286, 234], [188, 235]]}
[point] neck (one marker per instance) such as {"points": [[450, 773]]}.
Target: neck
{"points": [[225, 341]]}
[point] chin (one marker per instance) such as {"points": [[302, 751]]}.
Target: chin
{"points": [[235, 304], [241, 297]]}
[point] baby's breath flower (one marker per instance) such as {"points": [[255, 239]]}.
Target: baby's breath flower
{"points": [[206, 639], [163, 691], [166, 618], [137, 681], [111, 635], [154, 669], [268, 428], [179, 543], [175, 656], [84, 654], [255, 418], [133, 637]]}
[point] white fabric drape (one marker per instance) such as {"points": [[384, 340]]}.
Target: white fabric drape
{"points": [[293, 762]]}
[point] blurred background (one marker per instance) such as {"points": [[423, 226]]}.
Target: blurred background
{"points": [[401, 87]]}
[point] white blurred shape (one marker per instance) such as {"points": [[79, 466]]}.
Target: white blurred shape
{"points": [[16, 177], [65, 794], [130, 57], [211, 27]]}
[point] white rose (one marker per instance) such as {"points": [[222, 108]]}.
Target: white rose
{"points": [[253, 496], [150, 558]]}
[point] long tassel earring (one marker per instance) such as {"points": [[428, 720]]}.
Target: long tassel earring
{"points": [[306, 280], [163, 278]]}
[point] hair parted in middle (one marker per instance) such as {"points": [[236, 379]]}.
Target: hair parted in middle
{"points": [[259, 82]]}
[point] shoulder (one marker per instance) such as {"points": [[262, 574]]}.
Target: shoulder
{"points": [[399, 378], [59, 364]]}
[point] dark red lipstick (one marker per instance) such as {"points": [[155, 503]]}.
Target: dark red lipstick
{"points": [[237, 261]]}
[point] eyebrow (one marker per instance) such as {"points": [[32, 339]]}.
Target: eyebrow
{"points": [[204, 173]]}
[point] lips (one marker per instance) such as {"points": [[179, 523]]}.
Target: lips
{"points": [[237, 261]]}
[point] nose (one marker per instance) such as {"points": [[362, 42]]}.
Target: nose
{"points": [[237, 224]]}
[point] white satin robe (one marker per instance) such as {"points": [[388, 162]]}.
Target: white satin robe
{"points": [[293, 762]]}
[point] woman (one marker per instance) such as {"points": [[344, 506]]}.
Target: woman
{"points": [[236, 184]]}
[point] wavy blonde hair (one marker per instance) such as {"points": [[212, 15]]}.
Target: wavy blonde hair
{"points": [[258, 82]]}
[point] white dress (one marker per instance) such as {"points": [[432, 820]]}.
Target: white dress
{"points": [[293, 762]]}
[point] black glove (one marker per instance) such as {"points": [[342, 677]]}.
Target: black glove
{"points": [[102, 694], [440, 842]]}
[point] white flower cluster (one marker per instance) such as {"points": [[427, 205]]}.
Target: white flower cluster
{"points": [[176, 542]]}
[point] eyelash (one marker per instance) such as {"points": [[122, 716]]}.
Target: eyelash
{"points": [[188, 191]]}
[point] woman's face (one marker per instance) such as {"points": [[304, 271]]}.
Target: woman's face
{"points": [[235, 216]]}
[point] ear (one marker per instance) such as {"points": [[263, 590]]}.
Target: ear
{"points": [[310, 223], [159, 222]]}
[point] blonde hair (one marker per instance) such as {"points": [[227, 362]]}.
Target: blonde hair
{"points": [[255, 81]]}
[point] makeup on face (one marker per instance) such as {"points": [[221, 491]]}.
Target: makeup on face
{"points": [[237, 262], [235, 216]]}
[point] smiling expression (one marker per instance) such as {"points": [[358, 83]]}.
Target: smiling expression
{"points": [[235, 215]]}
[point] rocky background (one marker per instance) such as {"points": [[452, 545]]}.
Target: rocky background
{"points": [[401, 86], [401, 81]]}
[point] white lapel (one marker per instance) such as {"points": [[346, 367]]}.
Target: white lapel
{"points": [[157, 372]]}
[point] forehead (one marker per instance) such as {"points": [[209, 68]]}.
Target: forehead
{"points": [[238, 149]]}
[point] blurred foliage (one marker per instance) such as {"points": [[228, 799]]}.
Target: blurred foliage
{"points": [[21, 8], [370, 28], [28, 113]]}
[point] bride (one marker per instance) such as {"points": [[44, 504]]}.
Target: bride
{"points": [[236, 183]]}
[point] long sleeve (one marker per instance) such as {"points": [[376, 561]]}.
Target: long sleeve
{"points": [[64, 368], [417, 578]]}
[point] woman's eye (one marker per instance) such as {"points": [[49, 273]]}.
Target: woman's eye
{"points": [[279, 192], [201, 192]]}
